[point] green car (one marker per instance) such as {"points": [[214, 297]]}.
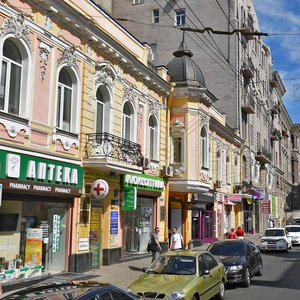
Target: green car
{"points": [[183, 274]]}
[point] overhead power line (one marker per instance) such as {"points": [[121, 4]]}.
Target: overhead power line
{"points": [[209, 29]]}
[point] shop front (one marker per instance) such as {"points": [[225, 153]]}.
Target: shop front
{"points": [[142, 207], [203, 217], [37, 195]]}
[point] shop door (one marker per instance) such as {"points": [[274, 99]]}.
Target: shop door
{"points": [[208, 221], [138, 226], [56, 247]]}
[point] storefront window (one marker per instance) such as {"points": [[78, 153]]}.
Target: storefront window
{"points": [[138, 226]]}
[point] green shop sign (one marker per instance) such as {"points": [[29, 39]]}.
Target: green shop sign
{"points": [[144, 182], [26, 172], [129, 198]]}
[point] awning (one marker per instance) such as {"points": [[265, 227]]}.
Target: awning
{"points": [[229, 203], [233, 198]]}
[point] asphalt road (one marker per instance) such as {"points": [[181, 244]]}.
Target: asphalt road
{"points": [[280, 279]]}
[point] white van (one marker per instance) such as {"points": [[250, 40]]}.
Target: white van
{"points": [[294, 233]]}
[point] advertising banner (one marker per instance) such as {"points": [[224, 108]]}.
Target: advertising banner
{"points": [[33, 249]]}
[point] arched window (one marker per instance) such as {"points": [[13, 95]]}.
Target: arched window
{"points": [[11, 75], [218, 166], [236, 171], [244, 168], [228, 169], [66, 100], [102, 110], [128, 122], [204, 148], [153, 137]]}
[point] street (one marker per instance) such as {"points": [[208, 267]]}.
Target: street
{"points": [[280, 279]]}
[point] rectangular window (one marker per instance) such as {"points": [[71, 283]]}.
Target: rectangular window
{"points": [[177, 149], [180, 17], [155, 19], [3, 84], [153, 50], [137, 2]]}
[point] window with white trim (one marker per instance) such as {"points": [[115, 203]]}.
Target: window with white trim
{"points": [[244, 168], [236, 171], [228, 169], [128, 122], [14, 77], [180, 17], [218, 166], [137, 2], [153, 137], [155, 16], [65, 106], [102, 109], [204, 148], [177, 142], [153, 51]]}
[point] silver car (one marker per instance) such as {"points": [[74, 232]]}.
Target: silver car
{"points": [[294, 232]]}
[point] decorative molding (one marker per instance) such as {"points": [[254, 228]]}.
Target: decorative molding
{"points": [[68, 57], [13, 128], [153, 108], [129, 94], [44, 56], [105, 74], [16, 25], [67, 141], [141, 112]]}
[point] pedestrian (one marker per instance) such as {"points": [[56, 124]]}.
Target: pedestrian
{"points": [[176, 240], [240, 232], [231, 234], [155, 244]]}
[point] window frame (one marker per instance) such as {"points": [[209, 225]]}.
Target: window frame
{"points": [[128, 122], [180, 16], [153, 136], [155, 16], [204, 154]]}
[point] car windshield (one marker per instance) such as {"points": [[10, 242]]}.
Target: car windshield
{"points": [[293, 229], [227, 249], [174, 265], [274, 232]]}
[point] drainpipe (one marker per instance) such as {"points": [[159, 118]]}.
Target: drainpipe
{"points": [[168, 115]]}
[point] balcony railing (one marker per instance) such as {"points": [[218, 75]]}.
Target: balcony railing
{"points": [[106, 145], [263, 155], [247, 27], [248, 68], [248, 105], [275, 135]]}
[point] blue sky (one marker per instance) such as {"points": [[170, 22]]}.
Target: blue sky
{"points": [[282, 17]]}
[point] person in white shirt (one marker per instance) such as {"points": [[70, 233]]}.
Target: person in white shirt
{"points": [[176, 240]]}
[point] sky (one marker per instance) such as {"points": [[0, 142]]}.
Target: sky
{"points": [[281, 20]]}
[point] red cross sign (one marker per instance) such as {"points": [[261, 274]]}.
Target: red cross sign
{"points": [[100, 189]]}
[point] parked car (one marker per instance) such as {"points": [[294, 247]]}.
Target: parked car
{"points": [[275, 239], [294, 233], [72, 290], [182, 274], [241, 258]]}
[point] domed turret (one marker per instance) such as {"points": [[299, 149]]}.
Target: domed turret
{"points": [[183, 70]]}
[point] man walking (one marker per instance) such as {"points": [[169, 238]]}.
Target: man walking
{"points": [[155, 244], [176, 240]]}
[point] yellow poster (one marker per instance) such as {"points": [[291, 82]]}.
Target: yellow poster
{"points": [[33, 250]]}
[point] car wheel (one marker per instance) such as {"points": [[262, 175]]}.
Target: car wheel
{"points": [[260, 271], [247, 281], [221, 294]]}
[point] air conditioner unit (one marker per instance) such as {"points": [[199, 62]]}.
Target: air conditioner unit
{"points": [[218, 184], [146, 161], [168, 171]]}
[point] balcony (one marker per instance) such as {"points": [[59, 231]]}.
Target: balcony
{"points": [[248, 68], [248, 104], [274, 79], [107, 146], [247, 27], [275, 135], [264, 156]]}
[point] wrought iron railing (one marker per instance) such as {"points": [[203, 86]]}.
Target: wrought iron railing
{"points": [[265, 152], [106, 145]]}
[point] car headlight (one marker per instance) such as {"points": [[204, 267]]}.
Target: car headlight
{"points": [[235, 268], [281, 241], [130, 291], [176, 295]]}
